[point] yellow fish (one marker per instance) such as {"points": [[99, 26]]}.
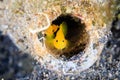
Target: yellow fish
{"points": [[49, 33], [60, 42]]}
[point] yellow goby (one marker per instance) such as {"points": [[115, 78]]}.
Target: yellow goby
{"points": [[60, 42], [50, 31], [49, 34]]}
